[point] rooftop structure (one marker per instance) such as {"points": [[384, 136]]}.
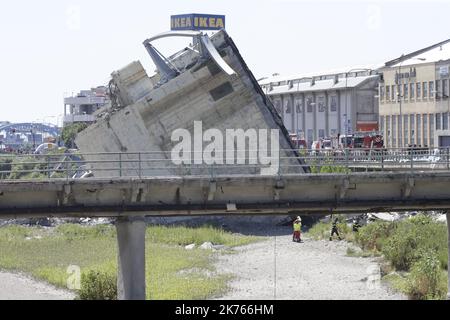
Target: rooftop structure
{"points": [[81, 107]]}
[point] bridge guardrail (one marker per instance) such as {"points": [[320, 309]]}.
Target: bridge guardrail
{"points": [[148, 164]]}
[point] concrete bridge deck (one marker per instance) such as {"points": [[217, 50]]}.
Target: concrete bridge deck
{"points": [[243, 194]]}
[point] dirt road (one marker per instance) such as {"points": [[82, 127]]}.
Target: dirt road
{"points": [[281, 269], [19, 287]]}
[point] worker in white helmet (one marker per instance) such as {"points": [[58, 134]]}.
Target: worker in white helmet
{"points": [[297, 230]]}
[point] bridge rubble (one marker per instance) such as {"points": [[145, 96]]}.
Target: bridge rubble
{"points": [[205, 86], [205, 91]]}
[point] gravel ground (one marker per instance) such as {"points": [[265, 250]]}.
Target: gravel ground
{"points": [[19, 287], [304, 271]]}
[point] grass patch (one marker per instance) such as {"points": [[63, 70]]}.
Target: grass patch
{"points": [[351, 252], [46, 255]]}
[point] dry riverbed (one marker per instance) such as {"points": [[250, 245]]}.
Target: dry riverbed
{"points": [[281, 269], [20, 287]]}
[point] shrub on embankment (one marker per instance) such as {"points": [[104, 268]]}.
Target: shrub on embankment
{"points": [[416, 246]]}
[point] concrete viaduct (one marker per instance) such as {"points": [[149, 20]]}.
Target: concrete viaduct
{"points": [[130, 199]]}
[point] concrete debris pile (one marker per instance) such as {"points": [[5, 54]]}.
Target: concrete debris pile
{"points": [[205, 86]]}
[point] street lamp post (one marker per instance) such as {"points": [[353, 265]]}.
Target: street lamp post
{"points": [[399, 100]]}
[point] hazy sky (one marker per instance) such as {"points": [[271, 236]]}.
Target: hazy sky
{"points": [[52, 48]]}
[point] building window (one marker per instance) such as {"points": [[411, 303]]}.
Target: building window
{"points": [[425, 129], [438, 121], [287, 105], [392, 93], [412, 126], [381, 93], [431, 89], [445, 88], [321, 103], [277, 104], [298, 105], [309, 105], [399, 92], [445, 121], [431, 130], [388, 128], [405, 92], [310, 136], [411, 91], [333, 103], [321, 133], [418, 91], [424, 90], [394, 131], [382, 124], [419, 129], [388, 92], [438, 89], [405, 130]]}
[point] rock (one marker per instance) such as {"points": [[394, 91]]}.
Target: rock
{"points": [[207, 246], [190, 246], [219, 247]]}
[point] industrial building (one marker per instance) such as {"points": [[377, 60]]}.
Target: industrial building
{"points": [[81, 107], [326, 104], [414, 98]]}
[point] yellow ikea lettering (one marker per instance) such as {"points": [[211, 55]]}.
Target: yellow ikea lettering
{"points": [[219, 23], [203, 22], [183, 22], [212, 22], [196, 22], [188, 22]]}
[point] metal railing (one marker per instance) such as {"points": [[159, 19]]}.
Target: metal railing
{"points": [[151, 164]]}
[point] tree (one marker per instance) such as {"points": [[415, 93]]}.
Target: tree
{"points": [[69, 133]]}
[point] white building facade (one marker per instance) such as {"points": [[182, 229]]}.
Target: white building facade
{"points": [[81, 107], [322, 106]]}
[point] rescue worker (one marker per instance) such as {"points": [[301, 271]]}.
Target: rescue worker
{"points": [[334, 229], [297, 230], [355, 225]]}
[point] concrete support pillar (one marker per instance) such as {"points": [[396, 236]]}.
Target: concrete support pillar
{"points": [[131, 258], [448, 243]]}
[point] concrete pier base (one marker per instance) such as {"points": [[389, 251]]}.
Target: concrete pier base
{"points": [[131, 258]]}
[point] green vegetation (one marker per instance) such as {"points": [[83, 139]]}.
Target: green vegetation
{"points": [[69, 133], [172, 272], [98, 285], [416, 247]]}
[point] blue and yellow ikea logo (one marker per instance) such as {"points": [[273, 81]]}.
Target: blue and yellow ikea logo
{"points": [[196, 21]]}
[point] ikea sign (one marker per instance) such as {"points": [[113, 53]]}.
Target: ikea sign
{"points": [[197, 21]]}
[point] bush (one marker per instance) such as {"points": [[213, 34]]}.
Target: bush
{"points": [[372, 236], [97, 285], [411, 238], [426, 280]]}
